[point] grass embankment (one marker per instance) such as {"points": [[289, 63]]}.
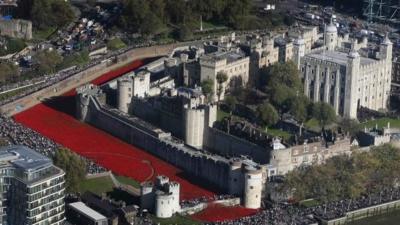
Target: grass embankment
{"points": [[382, 122], [175, 220], [10, 94], [128, 181], [278, 133], [115, 44], [97, 185]]}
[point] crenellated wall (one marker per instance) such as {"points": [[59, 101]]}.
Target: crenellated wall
{"points": [[211, 168]]}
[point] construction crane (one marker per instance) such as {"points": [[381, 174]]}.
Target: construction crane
{"points": [[382, 11]]}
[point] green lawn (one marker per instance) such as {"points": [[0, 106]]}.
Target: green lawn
{"points": [[175, 220], [13, 93], [278, 133], [115, 44], [309, 203], [312, 124], [382, 122], [13, 45], [43, 34], [221, 114], [208, 25], [97, 185], [128, 181]]}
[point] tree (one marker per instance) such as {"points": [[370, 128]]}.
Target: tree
{"points": [[323, 113], [298, 107], [222, 77], [231, 102], [267, 114], [49, 13], [346, 177], [47, 61], [207, 86], [7, 71], [74, 167], [184, 33], [282, 82], [349, 126]]}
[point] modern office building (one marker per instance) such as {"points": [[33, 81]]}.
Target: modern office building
{"points": [[32, 189], [81, 214]]}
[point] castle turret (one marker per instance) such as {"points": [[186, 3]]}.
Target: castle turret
{"points": [[147, 196], [236, 177], [252, 187], [299, 50], [352, 73], [174, 189], [124, 86], [83, 96], [163, 205], [330, 36], [386, 49], [166, 196], [194, 121]]}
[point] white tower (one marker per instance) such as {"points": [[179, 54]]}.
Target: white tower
{"points": [[330, 36], [252, 188], [124, 86]]}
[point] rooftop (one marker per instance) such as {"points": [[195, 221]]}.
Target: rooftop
{"points": [[230, 56], [24, 157], [81, 207], [338, 57]]}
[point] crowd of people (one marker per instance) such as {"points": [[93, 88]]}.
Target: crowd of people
{"points": [[14, 133], [294, 214]]}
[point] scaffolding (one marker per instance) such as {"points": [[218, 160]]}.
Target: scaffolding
{"points": [[382, 11]]}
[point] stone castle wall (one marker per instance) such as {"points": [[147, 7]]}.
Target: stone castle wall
{"points": [[226, 144], [16, 28], [213, 170]]}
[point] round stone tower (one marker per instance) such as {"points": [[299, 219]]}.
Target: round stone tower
{"points": [[164, 206], [252, 187], [194, 121], [124, 86], [236, 177]]}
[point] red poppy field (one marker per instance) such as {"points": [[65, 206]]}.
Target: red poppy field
{"points": [[217, 213], [54, 119]]}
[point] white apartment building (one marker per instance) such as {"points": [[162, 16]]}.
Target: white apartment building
{"points": [[32, 188]]}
